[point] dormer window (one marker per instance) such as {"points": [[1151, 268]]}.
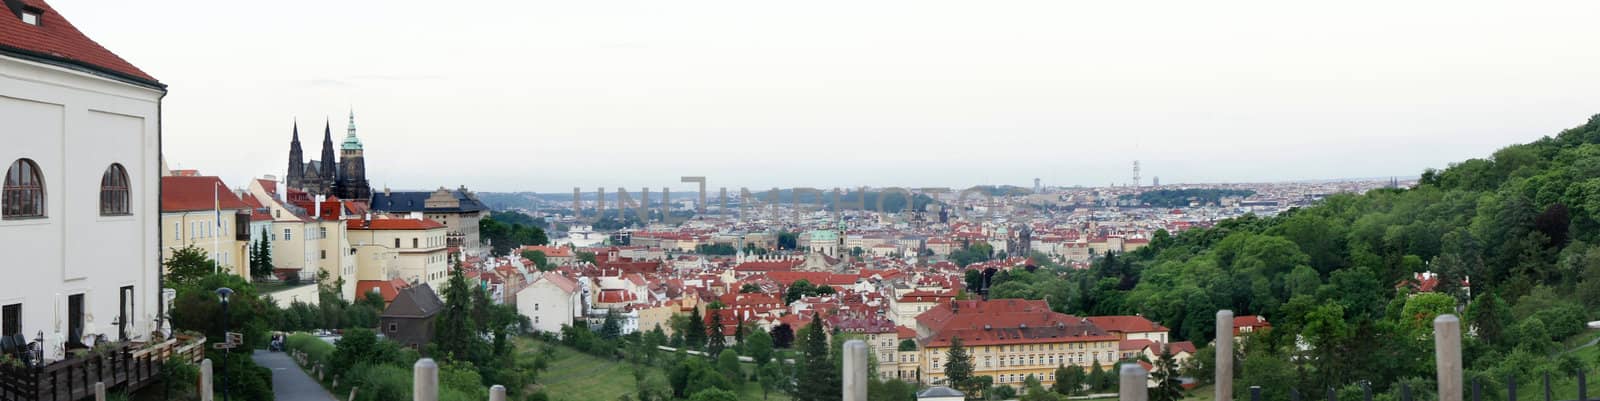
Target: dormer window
{"points": [[31, 15]]}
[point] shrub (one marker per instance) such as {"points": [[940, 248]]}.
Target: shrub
{"points": [[316, 350], [378, 382]]}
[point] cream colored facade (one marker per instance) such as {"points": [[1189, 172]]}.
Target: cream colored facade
{"points": [[413, 255], [306, 244], [200, 230], [1010, 364]]}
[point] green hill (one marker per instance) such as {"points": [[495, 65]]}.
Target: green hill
{"points": [[1521, 226]]}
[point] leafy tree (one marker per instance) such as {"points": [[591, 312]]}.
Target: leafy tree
{"points": [[359, 345], [759, 347], [749, 288], [788, 241], [540, 260], [1098, 376], [1069, 381], [782, 336], [187, 266], [587, 257], [728, 363], [611, 327]]}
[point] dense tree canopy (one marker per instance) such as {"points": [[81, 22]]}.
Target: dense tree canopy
{"points": [[1502, 236]]}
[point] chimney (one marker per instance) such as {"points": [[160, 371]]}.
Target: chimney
{"points": [[317, 205]]}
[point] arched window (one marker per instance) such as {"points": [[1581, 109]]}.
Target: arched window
{"points": [[114, 191], [23, 195]]}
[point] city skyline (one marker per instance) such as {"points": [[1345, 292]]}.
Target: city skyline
{"points": [[547, 96]]}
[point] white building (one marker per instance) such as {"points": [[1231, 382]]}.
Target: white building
{"points": [[551, 301], [79, 207]]}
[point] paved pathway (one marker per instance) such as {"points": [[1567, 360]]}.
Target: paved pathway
{"points": [[289, 383]]}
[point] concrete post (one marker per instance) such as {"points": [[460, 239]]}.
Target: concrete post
{"points": [[1132, 386], [1447, 351], [497, 393], [425, 380], [99, 391], [855, 370], [1224, 365], [205, 380]]}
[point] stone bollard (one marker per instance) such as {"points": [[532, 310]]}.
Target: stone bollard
{"points": [[1447, 351], [1224, 366], [205, 380], [855, 370], [99, 391], [425, 380], [497, 393], [1132, 386]]}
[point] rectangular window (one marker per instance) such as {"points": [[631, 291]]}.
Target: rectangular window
{"points": [[288, 234], [394, 327], [414, 243], [11, 319], [177, 231], [324, 253], [323, 232]]}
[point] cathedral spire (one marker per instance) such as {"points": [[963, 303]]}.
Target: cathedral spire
{"points": [[350, 140]]}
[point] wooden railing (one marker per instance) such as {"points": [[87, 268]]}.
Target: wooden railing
{"points": [[74, 378]]}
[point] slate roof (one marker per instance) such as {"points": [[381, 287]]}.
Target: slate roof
{"points": [[55, 41], [417, 301], [939, 391], [400, 202]]}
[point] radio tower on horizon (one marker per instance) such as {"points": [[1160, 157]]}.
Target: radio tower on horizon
{"points": [[1136, 175]]}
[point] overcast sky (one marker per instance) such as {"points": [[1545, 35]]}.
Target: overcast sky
{"points": [[547, 95]]}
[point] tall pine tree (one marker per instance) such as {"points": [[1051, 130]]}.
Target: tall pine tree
{"points": [[456, 334], [819, 377], [694, 333], [958, 368], [1166, 377], [715, 342]]}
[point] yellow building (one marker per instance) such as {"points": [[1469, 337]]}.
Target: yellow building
{"points": [[414, 250], [202, 212], [1010, 339]]}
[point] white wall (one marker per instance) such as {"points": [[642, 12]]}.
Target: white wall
{"points": [[74, 125], [547, 307]]}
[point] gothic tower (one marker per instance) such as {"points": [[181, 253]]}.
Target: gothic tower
{"points": [[353, 165], [297, 170], [328, 173]]}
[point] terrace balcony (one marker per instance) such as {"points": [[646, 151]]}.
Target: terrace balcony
{"points": [[129, 365]]}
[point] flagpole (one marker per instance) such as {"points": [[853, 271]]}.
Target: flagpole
{"points": [[216, 228]]}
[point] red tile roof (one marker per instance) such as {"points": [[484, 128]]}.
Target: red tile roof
{"points": [[1005, 321], [393, 224], [189, 194], [1126, 324], [55, 40], [387, 288]]}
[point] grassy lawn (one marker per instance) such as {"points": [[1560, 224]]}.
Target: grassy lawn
{"points": [[1580, 339], [578, 376]]}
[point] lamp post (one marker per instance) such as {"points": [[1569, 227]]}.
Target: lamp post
{"points": [[223, 293]]}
